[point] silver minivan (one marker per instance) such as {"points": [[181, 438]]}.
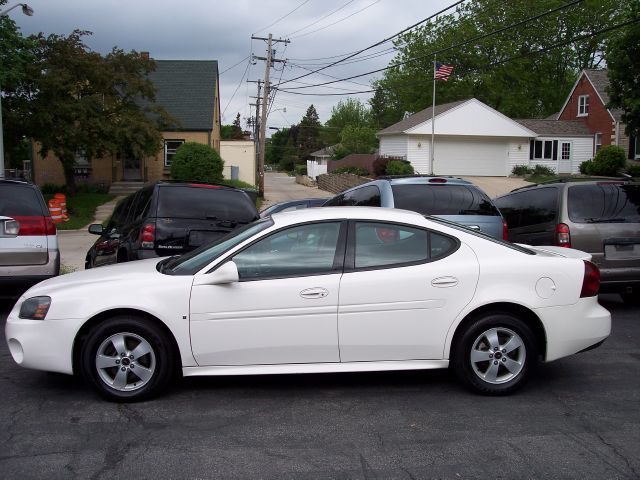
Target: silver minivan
{"points": [[600, 217], [28, 239]]}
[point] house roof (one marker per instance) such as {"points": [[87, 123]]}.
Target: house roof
{"points": [[186, 89], [556, 128], [325, 152], [419, 117], [600, 81]]}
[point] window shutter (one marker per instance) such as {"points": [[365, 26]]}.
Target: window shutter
{"points": [[531, 144], [555, 149]]}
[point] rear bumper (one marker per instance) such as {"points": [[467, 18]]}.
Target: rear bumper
{"points": [[15, 280], [573, 328]]}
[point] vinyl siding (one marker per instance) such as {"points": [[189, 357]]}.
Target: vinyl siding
{"points": [[394, 145]]}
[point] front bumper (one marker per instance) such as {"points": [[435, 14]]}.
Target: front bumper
{"points": [[573, 328]]}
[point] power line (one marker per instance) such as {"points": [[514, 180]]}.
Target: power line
{"points": [[338, 21], [320, 19], [282, 17], [238, 87], [378, 43], [234, 66], [451, 47]]}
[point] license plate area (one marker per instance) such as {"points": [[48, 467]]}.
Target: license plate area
{"points": [[202, 237], [622, 249]]}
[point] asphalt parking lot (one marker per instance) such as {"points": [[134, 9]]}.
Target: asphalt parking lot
{"points": [[578, 418]]}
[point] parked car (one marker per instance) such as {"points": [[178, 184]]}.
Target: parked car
{"points": [[169, 218], [445, 197], [599, 217], [292, 205], [321, 290], [28, 239]]}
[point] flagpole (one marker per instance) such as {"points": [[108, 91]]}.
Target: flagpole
{"points": [[433, 118]]}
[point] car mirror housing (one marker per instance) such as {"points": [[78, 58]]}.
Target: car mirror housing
{"points": [[226, 273], [96, 229]]}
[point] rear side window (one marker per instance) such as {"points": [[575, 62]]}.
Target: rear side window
{"points": [[203, 202], [368, 196], [18, 200], [443, 200], [604, 202], [530, 207]]}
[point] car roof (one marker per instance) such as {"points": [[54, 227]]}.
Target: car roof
{"points": [[12, 181], [425, 179], [571, 181]]}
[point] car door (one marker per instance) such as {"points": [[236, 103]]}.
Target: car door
{"points": [[531, 215], [283, 310], [402, 289], [106, 247]]}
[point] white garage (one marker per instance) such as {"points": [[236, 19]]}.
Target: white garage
{"points": [[471, 138]]}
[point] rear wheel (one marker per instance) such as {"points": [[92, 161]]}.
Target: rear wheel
{"points": [[496, 354], [127, 359]]}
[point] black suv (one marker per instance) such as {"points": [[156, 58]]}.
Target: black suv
{"points": [[169, 218], [601, 217]]}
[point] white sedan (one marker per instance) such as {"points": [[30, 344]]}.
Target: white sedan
{"points": [[345, 289]]}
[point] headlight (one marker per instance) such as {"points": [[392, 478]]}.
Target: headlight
{"points": [[35, 308]]}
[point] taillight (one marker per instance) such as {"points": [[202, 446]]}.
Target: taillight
{"points": [[148, 235], [35, 226], [437, 180], [591, 281], [563, 235], [505, 230]]}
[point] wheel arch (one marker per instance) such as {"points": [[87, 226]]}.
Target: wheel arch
{"points": [[520, 311], [96, 319]]}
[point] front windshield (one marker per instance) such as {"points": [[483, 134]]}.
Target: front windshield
{"points": [[192, 262]]}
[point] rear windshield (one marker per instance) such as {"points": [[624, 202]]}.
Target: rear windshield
{"points": [[604, 203], [18, 200], [202, 202], [443, 200]]}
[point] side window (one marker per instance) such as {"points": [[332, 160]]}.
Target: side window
{"points": [[384, 244], [130, 213], [360, 197], [302, 250], [510, 208], [538, 206], [440, 245], [143, 203], [335, 201]]}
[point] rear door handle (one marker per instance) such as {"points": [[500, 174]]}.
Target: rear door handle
{"points": [[315, 292], [444, 282]]}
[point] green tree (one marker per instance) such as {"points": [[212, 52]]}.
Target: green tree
{"points": [[308, 139], [196, 162], [356, 139], [348, 112], [233, 131], [522, 72], [75, 101], [624, 73]]}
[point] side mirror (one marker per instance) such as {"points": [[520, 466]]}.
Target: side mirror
{"points": [[224, 274], [96, 229]]}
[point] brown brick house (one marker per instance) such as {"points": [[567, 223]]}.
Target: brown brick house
{"points": [[587, 101], [189, 91]]}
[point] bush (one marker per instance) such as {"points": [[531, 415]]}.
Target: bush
{"points": [[633, 170], [586, 167], [609, 160], [399, 167], [363, 172], [197, 162], [541, 170], [300, 169], [380, 166], [521, 170]]}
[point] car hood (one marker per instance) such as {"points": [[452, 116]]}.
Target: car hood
{"points": [[120, 272]]}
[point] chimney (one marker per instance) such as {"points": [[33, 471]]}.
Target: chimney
{"points": [[144, 55]]}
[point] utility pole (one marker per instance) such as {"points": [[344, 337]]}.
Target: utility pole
{"points": [[256, 128], [265, 104]]}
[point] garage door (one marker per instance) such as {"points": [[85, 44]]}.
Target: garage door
{"points": [[471, 157]]}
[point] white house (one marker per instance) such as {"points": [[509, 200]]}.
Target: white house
{"points": [[472, 138]]}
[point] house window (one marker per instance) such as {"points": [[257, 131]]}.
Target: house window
{"points": [[583, 105], [170, 147], [598, 141], [565, 154], [544, 150], [637, 149]]}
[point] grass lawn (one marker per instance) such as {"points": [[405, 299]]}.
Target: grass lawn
{"points": [[82, 209]]}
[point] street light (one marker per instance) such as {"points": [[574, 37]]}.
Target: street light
{"points": [[28, 11]]}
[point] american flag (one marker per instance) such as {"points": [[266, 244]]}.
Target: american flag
{"points": [[443, 71]]}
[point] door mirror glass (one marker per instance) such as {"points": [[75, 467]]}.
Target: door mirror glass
{"points": [[96, 229]]}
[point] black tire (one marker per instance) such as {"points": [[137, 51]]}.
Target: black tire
{"points": [[129, 332], [632, 297], [513, 367]]}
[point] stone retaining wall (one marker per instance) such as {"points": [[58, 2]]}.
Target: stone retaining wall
{"points": [[338, 182]]}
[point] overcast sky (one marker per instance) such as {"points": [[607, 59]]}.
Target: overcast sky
{"points": [[221, 30]]}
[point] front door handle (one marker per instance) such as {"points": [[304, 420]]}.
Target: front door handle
{"points": [[315, 292], [444, 282]]}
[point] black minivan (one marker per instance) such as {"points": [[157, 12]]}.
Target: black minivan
{"points": [[169, 218]]}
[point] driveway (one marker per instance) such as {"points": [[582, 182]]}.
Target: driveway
{"points": [[496, 186], [280, 187]]}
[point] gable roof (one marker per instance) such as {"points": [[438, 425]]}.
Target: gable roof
{"points": [[599, 80], [186, 89], [325, 152], [556, 128], [419, 117]]}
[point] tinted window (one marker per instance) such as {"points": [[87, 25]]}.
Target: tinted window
{"points": [[335, 201], [530, 207], [383, 244], [440, 245], [302, 250], [368, 196], [18, 200], [443, 199], [202, 202], [604, 202]]}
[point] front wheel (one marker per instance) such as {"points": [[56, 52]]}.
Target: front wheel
{"points": [[495, 355], [127, 359]]}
